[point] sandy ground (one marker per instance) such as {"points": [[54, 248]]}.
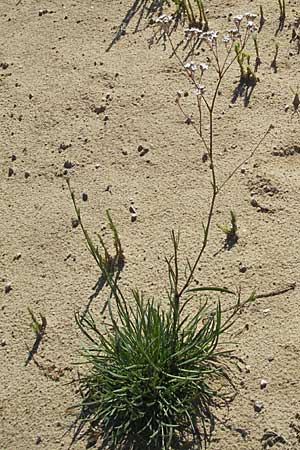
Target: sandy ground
{"points": [[55, 74]]}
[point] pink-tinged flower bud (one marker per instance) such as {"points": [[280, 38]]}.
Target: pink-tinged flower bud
{"points": [[237, 20], [191, 66], [203, 67], [250, 16], [200, 89]]}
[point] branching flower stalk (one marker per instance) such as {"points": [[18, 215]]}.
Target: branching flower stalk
{"points": [[235, 40]]}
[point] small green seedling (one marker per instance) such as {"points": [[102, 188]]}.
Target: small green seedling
{"points": [[274, 62], [194, 10], [107, 263], [37, 327], [282, 10], [243, 58], [231, 231], [258, 60]]}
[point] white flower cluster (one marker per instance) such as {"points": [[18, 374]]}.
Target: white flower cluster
{"points": [[193, 30], [200, 89], [209, 36], [164, 19], [192, 67], [235, 33], [249, 17], [164, 23]]}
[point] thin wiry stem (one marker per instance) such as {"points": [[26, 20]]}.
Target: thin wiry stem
{"points": [[222, 70]]}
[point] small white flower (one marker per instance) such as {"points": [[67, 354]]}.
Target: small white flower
{"points": [[251, 26], [191, 66], [164, 19], [160, 18], [250, 16], [193, 30], [203, 67], [234, 33], [226, 39], [212, 35], [200, 89], [237, 19]]}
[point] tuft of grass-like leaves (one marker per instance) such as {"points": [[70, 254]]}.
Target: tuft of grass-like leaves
{"points": [[149, 381], [154, 372], [230, 231], [37, 327]]}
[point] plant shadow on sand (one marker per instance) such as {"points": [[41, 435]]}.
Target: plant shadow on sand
{"points": [[142, 9], [183, 441], [151, 10], [244, 90]]}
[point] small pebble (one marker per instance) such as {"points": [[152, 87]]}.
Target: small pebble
{"points": [[140, 148], [11, 172], [99, 109], [64, 146], [204, 157], [3, 343], [242, 268], [133, 213], [286, 108], [17, 256], [68, 165], [38, 440], [27, 175], [13, 157], [254, 203], [84, 197], [7, 288], [4, 65], [144, 151], [258, 406], [243, 170], [263, 383], [75, 222]]}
